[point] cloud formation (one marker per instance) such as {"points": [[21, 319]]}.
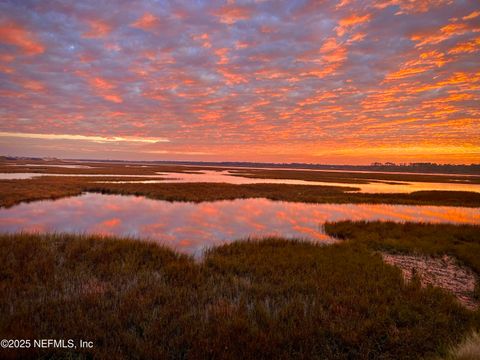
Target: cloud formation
{"points": [[100, 139], [269, 80]]}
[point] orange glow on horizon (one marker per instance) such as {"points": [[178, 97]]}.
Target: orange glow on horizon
{"points": [[298, 81]]}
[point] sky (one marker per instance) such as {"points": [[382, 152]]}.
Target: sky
{"points": [[347, 82]]}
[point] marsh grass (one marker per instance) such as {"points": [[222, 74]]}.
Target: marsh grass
{"points": [[13, 192], [93, 168], [459, 241], [152, 169], [468, 349], [462, 242], [250, 299], [351, 177]]}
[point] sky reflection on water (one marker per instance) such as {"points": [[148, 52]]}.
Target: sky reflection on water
{"points": [[375, 186], [190, 227], [227, 176]]}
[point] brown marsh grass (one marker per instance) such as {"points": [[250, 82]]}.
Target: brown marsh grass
{"points": [[250, 299], [151, 169], [351, 177], [459, 241], [15, 191], [50, 187], [469, 349]]}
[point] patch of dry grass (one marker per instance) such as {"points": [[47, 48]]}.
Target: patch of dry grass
{"points": [[469, 349]]}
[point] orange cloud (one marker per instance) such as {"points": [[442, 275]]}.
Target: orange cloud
{"points": [[403, 73], [222, 56], [319, 98], [231, 76], [332, 56], [349, 22], [411, 6], [6, 58], [426, 61], [111, 223], [6, 69], [204, 39], [92, 138], [98, 29], [230, 14], [147, 22], [16, 35], [100, 84], [113, 98], [332, 51], [356, 37], [466, 47], [446, 32], [461, 78], [105, 89], [326, 60], [472, 15], [33, 85], [343, 3], [242, 44]]}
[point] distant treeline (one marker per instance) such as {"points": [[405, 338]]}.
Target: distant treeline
{"points": [[473, 169], [421, 167]]}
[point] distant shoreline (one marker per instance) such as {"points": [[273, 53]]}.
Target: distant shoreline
{"points": [[434, 169], [413, 168]]}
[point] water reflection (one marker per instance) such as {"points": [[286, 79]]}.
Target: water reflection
{"points": [[17, 176], [190, 227], [384, 187], [227, 176], [375, 186]]}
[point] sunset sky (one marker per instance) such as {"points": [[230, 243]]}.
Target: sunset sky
{"points": [[278, 81]]}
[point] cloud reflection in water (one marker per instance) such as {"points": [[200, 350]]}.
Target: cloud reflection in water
{"points": [[190, 227]]}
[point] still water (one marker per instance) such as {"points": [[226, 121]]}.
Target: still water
{"points": [[373, 186], [230, 177], [190, 227]]}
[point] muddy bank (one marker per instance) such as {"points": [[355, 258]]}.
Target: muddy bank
{"points": [[443, 272]]}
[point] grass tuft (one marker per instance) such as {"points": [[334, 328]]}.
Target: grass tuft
{"points": [[469, 349]]}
